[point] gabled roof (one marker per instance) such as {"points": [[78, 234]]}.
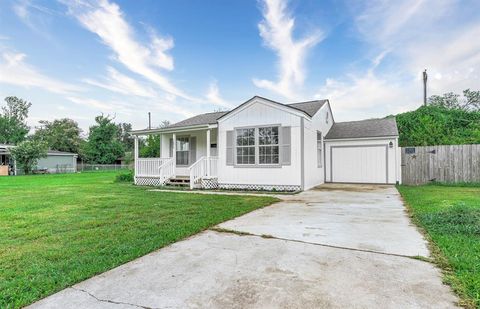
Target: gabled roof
{"points": [[363, 128], [309, 108]]}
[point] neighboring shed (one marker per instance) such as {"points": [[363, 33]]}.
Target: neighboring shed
{"points": [[58, 162], [55, 162]]}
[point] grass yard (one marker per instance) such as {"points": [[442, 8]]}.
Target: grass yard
{"points": [[57, 230], [451, 217]]}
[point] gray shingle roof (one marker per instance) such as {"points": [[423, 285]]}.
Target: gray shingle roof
{"points": [[363, 128], [310, 108], [53, 152], [208, 118]]}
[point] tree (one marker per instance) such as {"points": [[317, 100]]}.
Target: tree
{"points": [[124, 135], [27, 153], [437, 125], [103, 145], [60, 134], [470, 101], [151, 148], [13, 126]]}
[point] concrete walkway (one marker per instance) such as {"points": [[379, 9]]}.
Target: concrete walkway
{"points": [[333, 247]]}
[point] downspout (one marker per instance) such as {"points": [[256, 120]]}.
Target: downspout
{"points": [[302, 153]]}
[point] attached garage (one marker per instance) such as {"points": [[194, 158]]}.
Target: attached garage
{"points": [[363, 152]]}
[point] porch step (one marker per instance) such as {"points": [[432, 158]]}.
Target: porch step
{"points": [[178, 181]]}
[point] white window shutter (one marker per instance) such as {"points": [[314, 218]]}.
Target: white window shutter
{"points": [[170, 151], [286, 146], [229, 148]]}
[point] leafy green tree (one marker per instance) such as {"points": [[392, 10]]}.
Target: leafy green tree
{"points": [[103, 145], [470, 101], [124, 135], [13, 126], [439, 125], [151, 145], [60, 134], [27, 153]]}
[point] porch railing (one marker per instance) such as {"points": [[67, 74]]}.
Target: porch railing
{"points": [[203, 167], [167, 170], [149, 167]]}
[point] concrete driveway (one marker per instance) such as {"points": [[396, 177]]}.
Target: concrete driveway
{"points": [[332, 247]]}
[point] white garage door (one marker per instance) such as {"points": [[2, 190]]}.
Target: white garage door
{"points": [[359, 163]]}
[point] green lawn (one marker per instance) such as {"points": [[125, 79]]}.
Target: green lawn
{"points": [[451, 217], [56, 230]]}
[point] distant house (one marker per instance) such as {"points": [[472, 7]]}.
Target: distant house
{"points": [[263, 144], [55, 162]]}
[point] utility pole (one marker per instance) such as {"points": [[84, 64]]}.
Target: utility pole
{"points": [[149, 120], [425, 77]]}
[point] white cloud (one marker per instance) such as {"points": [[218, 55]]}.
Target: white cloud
{"points": [[368, 95], [106, 20], [15, 71], [407, 37], [120, 83], [92, 103], [213, 96], [276, 30], [34, 16], [438, 35]]}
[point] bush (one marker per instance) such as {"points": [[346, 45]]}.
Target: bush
{"points": [[125, 176], [433, 125]]}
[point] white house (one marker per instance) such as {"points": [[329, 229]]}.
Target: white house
{"points": [[263, 144]]}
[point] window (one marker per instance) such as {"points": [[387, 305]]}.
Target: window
{"points": [[319, 149], [183, 149], [245, 146], [268, 145]]}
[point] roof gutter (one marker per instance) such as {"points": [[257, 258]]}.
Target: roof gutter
{"points": [[359, 138], [175, 129]]}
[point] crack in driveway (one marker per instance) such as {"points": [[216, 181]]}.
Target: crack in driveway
{"points": [[114, 302], [242, 233]]}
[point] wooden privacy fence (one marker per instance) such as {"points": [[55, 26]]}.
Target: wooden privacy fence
{"points": [[447, 163]]}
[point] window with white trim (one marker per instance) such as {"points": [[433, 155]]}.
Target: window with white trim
{"points": [[183, 150], [268, 145], [319, 149], [245, 146]]}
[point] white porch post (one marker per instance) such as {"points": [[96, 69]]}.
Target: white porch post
{"points": [[208, 152], [160, 150], [174, 154], [135, 158]]}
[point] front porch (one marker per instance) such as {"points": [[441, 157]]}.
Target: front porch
{"points": [[187, 157]]}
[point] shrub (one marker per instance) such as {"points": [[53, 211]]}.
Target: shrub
{"points": [[125, 176]]}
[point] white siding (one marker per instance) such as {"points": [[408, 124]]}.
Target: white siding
{"points": [[370, 152], [258, 114], [314, 175]]}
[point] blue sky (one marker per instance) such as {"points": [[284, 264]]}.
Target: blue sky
{"points": [[80, 58]]}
